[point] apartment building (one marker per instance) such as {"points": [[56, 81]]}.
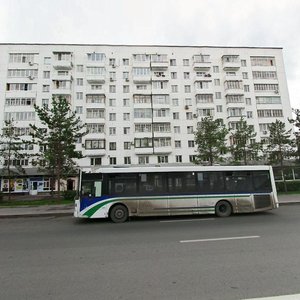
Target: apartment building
{"points": [[142, 104]]}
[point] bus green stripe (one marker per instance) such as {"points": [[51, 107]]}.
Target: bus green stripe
{"points": [[92, 210]]}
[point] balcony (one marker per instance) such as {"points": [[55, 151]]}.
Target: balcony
{"points": [[94, 152], [143, 150], [163, 150], [95, 78], [141, 79], [159, 64], [201, 62], [231, 62], [62, 65]]}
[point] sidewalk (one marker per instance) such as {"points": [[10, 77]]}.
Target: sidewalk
{"points": [[67, 210]]}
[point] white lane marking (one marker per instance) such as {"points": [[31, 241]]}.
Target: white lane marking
{"points": [[222, 239], [283, 297], [186, 220]]}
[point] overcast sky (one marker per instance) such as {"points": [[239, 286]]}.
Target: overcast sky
{"points": [[270, 23]]}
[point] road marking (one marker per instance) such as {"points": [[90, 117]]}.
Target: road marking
{"points": [[284, 297], [186, 220], [222, 239]]}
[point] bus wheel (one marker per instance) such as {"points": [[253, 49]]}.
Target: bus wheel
{"points": [[223, 209], [118, 213]]}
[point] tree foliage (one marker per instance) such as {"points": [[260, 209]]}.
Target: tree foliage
{"points": [[210, 138], [11, 152], [280, 143], [57, 137], [243, 149], [296, 123]]}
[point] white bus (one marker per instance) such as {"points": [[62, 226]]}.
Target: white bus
{"points": [[119, 193]]}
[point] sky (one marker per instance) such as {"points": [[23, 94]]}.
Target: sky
{"points": [[254, 23]]}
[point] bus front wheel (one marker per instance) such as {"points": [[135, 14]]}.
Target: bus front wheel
{"points": [[118, 213], [223, 209]]}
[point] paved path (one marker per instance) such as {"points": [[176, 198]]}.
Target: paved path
{"points": [[60, 210]]}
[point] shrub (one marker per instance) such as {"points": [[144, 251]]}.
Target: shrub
{"points": [[69, 195], [291, 186]]}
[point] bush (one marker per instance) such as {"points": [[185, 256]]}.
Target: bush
{"points": [[69, 195], [291, 186]]}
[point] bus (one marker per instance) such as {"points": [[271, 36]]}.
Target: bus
{"points": [[120, 193]]}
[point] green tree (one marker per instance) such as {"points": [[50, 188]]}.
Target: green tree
{"points": [[57, 137], [243, 149], [210, 138], [296, 123], [280, 144], [11, 152]]}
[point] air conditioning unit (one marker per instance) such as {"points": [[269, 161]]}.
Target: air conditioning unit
{"points": [[111, 79], [113, 65], [265, 132], [31, 63], [127, 79], [83, 145], [195, 116], [276, 92], [31, 77], [186, 107]]}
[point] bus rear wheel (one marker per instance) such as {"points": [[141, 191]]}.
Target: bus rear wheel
{"points": [[223, 209], [118, 213]]}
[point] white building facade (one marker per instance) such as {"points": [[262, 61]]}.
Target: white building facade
{"points": [[142, 104]]}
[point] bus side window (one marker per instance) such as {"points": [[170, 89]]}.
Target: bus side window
{"points": [[98, 188], [87, 189]]}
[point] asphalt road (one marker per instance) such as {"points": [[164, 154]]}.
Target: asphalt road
{"points": [[240, 257]]}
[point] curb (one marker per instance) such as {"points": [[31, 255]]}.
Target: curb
{"points": [[32, 215]]}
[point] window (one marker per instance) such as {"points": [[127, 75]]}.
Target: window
{"points": [[162, 159], [46, 88], [174, 88], [217, 82], [113, 146], [126, 75], [112, 76], [248, 101], [204, 98], [112, 102], [112, 160], [266, 87], [126, 130], [218, 95], [268, 100], [188, 101], [177, 144], [112, 88], [190, 129], [249, 114], [96, 161], [45, 103], [95, 99], [187, 88], [112, 130], [96, 57], [95, 113], [175, 102], [79, 96], [95, 128], [178, 158], [126, 116], [264, 75], [186, 62], [189, 116], [143, 143], [79, 68], [176, 116], [143, 160], [143, 113], [19, 116], [245, 75], [216, 69], [172, 62], [127, 145], [186, 75], [125, 62], [127, 160], [246, 88], [243, 63], [262, 61], [191, 144], [79, 110], [112, 117], [126, 102], [94, 144], [47, 60], [125, 88], [112, 62], [219, 108], [46, 74], [177, 129], [79, 81], [173, 75]]}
